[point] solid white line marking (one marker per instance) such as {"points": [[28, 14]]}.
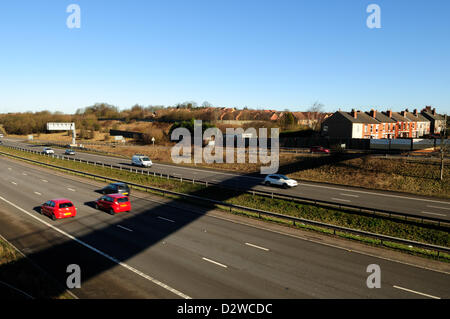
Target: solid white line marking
{"points": [[416, 292], [71, 189], [138, 272], [433, 214], [37, 193], [124, 227], [14, 183], [342, 200], [169, 220], [349, 195], [259, 247], [215, 262], [44, 180], [448, 208]]}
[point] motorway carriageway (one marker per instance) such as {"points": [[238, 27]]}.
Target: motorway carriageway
{"points": [[163, 250], [371, 199]]}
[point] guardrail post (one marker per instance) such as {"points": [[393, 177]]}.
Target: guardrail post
{"points": [[206, 183]]}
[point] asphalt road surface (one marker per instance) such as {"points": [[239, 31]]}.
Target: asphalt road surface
{"points": [[371, 199], [159, 250]]}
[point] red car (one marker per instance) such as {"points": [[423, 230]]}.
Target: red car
{"points": [[319, 149], [59, 208], [113, 203]]}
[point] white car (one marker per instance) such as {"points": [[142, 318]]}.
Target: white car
{"points": [[48, 150], [141, 160], [279, 180]]}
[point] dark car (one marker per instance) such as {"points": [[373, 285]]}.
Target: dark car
{"points": [[69, 152], [116, 188]]}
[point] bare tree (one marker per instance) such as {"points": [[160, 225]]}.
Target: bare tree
{"points": [[314, 115]]}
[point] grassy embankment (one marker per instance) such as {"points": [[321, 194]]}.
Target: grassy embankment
{"points": [[389, 227], [19, 272]]}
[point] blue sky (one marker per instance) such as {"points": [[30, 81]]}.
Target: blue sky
{"points": [[256, 53]]}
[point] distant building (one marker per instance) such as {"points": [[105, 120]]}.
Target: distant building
{"points": [[421, 125], [437, 122], [386, 126], [354, 124], [375, 124]]}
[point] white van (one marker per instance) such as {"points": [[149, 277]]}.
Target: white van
{"points": [[141, 160]]}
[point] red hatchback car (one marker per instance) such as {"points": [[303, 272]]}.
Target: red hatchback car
{"points": [[113, 203], [59, 208], [319, 149]]}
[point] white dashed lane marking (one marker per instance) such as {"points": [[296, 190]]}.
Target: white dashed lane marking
{"points": [[166, 219], [439, 207], [124, 228], [215, 262], [340, 199], [255, 246]]}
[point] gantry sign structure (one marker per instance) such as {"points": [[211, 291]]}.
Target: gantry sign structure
{"points": [[63, 127]]}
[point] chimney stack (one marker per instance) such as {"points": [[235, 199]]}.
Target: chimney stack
{"points": [[403, 113], [434, 111], [415, 113], [373, 113], [354, 113], [389, 113]]}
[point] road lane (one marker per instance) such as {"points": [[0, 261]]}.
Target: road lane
{"points": [[173, 252], [371, 199]]}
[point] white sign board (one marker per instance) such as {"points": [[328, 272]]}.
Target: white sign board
{"points": [[60, 126], [118, 138]]}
